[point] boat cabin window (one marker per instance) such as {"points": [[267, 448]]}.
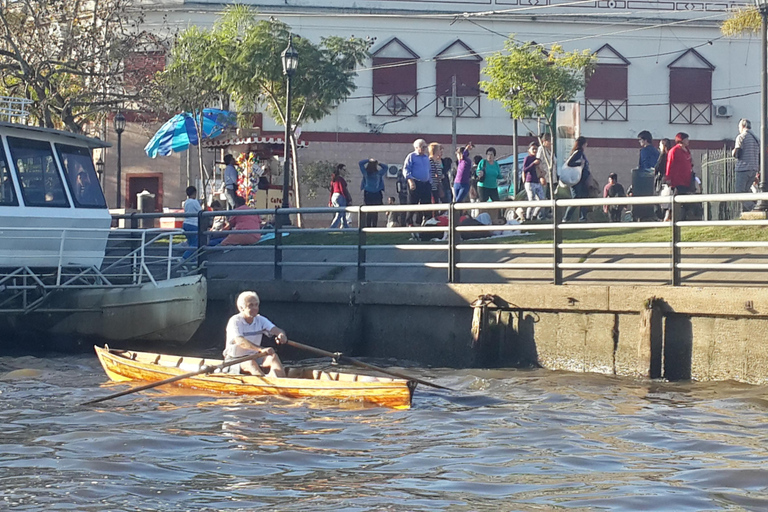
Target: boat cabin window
{"points": [[81, 175], [7, 193], [39, 175]]}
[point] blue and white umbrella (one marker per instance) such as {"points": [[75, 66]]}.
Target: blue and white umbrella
{"points": [[180, 131]]}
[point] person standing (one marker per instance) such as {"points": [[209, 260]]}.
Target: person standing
{"points": [[463, 173], [546, 159], [680, 167], [191, 205], [372, 187], [416, 169], [581, 188], [488, 171], [649, 155], [533, 190], [659, 180], [747, 153], [340, 197], [230, 181], [436, 171]]}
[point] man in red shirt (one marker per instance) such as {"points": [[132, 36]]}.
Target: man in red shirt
{"points": [[679, 169]]}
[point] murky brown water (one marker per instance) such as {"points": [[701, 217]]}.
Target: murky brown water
{"points": [[509, 440]]}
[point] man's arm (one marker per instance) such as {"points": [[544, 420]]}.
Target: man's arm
{"points": [[244, 343], [279, 334]]}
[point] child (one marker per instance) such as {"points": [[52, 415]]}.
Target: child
{"points": [[393, 218], [244, 332], [191, 205]]}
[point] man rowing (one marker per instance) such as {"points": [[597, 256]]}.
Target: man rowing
{"points": [[244, 334]]}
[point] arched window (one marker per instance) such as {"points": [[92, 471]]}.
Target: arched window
{"points": [[394, 80], [690, 89], [460, 61], [606, 91]]}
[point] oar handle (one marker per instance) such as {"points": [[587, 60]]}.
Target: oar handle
{"points": [[352, 360], [204, 369]]}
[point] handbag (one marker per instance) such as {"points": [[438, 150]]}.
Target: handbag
{"points": [[570, 175]]}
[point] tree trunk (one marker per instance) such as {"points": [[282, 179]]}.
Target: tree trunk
{"points": [[295, 166]]}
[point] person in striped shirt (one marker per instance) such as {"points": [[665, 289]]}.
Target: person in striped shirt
{"points": [[747, 153]]}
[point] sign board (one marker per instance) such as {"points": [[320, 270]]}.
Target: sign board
{"points": [[271, 198], [568, 123]]}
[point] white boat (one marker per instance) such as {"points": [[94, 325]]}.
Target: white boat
{"points": [[55, 275]]}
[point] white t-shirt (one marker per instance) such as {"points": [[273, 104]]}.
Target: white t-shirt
{"points": [[542, 170], [237, 326], [192, 206]]}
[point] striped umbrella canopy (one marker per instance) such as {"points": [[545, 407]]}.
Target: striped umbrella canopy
{"points": [[180, 131]]}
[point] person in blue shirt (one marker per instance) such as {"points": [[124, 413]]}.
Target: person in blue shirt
{"points": [[372, 187], [416, 170], [649, 155]]}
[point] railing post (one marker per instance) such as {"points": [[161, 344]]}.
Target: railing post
{"points": [[361, 221], [278, 273], [134, 221], [454, 274], [557, 251], [675, 252], [201, 241]]}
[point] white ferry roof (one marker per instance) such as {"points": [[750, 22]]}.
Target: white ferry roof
{"points": [[89, 141]]}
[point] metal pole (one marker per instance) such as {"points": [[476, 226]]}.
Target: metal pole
{"points": [[761, 204], [119, 168], [514, 181], [453, 113], [287, 151]]}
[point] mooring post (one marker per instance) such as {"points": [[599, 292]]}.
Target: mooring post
{"points": [[362, 219], [278, 273], [651, 341]]}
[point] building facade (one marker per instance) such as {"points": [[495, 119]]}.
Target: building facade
{"points": [[663, 66]]}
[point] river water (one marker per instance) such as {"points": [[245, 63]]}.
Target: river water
{"points": [[507, 440]]}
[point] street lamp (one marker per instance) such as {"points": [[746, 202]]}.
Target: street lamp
{"points": [[290, 59], [119, 129], [100, 171], [762, 6]]}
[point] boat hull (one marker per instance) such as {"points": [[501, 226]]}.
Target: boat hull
{"points": [[122, 366]]}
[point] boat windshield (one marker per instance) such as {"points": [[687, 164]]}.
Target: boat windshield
{"points": [[7, 193], [38, 173], [81, 176]]}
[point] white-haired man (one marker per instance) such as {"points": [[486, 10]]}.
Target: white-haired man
{"points": [[416, 171], [747, 153], [244, 333]]}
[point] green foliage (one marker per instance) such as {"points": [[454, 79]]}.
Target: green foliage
{"points": [[254, 73], [527, 79], [316, 176], [744, 20]]}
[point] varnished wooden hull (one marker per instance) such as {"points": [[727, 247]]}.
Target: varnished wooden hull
{"points": [[124, 366]]}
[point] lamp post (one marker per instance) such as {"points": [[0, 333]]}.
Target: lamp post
{"points": [[100, 171], [119, 129], [290, 62], [762, 6]]}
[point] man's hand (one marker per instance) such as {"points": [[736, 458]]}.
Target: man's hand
{"points": [[281, 338], [411, 184], [268, 351]]}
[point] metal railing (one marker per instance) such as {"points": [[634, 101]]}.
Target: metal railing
{"points": [[453, 254], [14, 110], [132, 258]]}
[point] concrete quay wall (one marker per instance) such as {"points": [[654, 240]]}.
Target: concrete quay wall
{"points": [[706, 334]]}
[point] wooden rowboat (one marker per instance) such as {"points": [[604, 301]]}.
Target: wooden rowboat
{"points": [[125, 365]]}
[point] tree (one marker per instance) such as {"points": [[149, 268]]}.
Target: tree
{"points": [[190, 82], [743, 21], [254, 73], [69, 57], [528, 80], [316, 176]]}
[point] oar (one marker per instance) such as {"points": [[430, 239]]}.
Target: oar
{"points": [[341, 357], [204, 369]]}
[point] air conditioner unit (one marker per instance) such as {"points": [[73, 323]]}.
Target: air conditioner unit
{"points": [[459, 102], [723, 111], [392, 171]]}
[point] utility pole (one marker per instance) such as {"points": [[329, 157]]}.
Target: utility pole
{"points": [[453, 114]]}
